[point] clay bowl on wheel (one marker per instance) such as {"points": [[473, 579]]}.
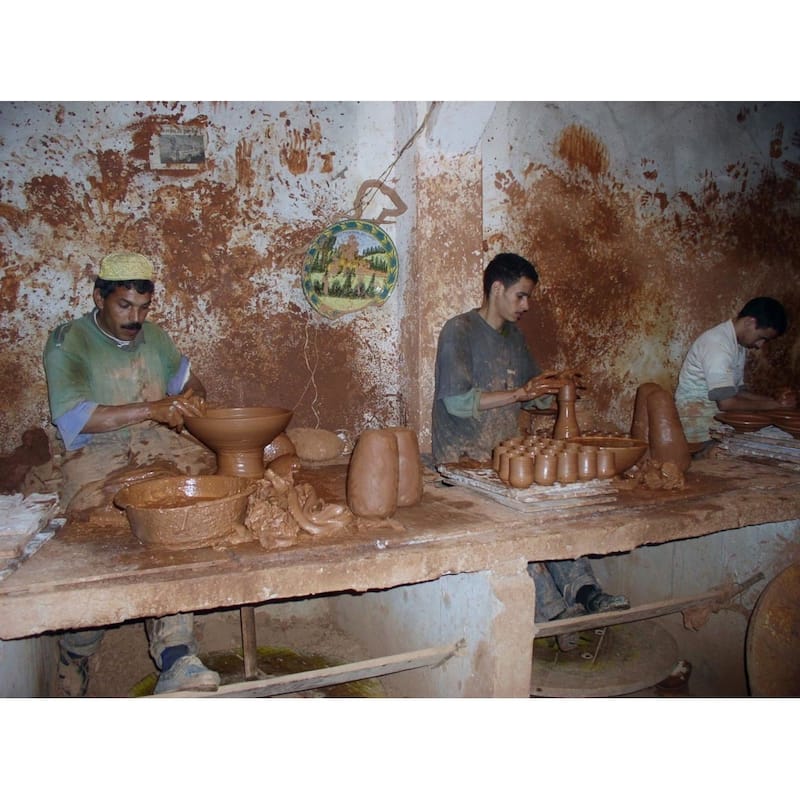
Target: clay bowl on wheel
{"points": [[186, 511], [239, 435], [744, 421], [626, 451]]}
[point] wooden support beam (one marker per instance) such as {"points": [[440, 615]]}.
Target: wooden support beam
{"points": [[248, 621], [317, 678]]}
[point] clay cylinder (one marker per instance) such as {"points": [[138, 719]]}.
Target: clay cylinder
{"points": [[503, 468], [373, 475], [665, 432], [496, 453], [409, 470], [566, 426], [567, 466], [587, 463], [606, 468], [520, 471], [640, 424], [544, 468]]}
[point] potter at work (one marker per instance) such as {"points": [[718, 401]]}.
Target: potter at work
{"points": [[484, 373], [119, 391], [711, 378]]}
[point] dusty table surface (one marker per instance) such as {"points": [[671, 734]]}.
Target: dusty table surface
{"points": [[102, 576]]}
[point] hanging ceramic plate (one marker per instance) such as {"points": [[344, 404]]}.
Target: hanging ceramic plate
{"points": [[351, 265]]}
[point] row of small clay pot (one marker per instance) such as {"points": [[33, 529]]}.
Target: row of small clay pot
{"points": [[550, 461]]}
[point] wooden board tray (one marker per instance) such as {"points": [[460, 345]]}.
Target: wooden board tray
{"points": [[21, 518], [535, 499], [769, 442]]}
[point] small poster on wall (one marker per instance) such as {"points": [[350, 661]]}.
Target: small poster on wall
{"points": [[181, 148], [351, 265]]}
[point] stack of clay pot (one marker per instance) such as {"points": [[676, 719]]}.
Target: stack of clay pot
{"points": [[523, 461], [385, 472]]}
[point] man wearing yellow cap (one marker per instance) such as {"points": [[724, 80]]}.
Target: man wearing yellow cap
{"points": [[119, 390]]}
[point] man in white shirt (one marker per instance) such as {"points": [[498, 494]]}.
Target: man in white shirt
{"points": [[712, 376]]}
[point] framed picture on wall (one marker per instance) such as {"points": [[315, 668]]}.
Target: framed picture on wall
{"points": [[179, 148]]}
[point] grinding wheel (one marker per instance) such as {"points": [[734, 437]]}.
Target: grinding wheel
{"points": [[612, 661], [772, 648]]}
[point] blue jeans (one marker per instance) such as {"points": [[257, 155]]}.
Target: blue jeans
{"points": [[557, 584]]}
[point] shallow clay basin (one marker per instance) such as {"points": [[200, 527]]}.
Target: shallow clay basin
{"points": [[626, 451], [179, 513], [239, 435], [743, 421]]}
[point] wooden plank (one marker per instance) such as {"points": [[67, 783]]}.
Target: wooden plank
{"points": [[645, 611], [535, 499], [330, 676]]}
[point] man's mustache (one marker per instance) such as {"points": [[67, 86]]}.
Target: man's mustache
{"points": [[132, 326]]}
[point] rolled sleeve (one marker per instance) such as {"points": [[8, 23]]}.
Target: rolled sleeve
{"points": [[71, 423]]}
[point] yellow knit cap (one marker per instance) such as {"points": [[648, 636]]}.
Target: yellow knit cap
{"points": [[126, 267]]}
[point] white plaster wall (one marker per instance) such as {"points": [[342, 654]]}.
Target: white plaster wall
{"points": [[27, 666]]}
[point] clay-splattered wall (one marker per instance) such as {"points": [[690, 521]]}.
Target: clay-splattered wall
{"points": [[228, 240], [649, 222]]}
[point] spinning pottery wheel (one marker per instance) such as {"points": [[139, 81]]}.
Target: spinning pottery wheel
{"points": [[238, 436], [773, 638]]}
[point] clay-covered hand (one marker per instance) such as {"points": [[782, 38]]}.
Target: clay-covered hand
{"points": [[171, 410], [194, 404], [547, 383]]}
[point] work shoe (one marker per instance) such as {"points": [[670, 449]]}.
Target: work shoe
{"points": [[599, 601], [187, 674], [73, 674], [569, 641]]}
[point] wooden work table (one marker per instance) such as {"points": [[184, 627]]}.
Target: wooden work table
{"points": [[81, 580]]}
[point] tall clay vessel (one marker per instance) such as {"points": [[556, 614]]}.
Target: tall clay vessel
{"points": [[409, 475], [373, 475], [566, 426]]}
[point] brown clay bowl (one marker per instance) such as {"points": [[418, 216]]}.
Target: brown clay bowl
{"points": [[790, 415], [239, 435], [186, 511], [626, 451], [743, 421]]}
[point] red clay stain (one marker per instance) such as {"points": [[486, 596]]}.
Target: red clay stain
{"points": [[51, 197], [294, 153], [327, 161], [12, 215], [581, 148], [116, 174], [244, 164]]}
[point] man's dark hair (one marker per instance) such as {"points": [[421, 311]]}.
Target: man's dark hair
{"points": [[507, 268], [106, 287], [768, 313]]}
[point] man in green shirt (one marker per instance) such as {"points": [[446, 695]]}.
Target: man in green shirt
{"points": [[118, 391]]}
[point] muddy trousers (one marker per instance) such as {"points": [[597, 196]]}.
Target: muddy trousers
{"points": [[141, 444], [557, 584], [164, 632]]}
